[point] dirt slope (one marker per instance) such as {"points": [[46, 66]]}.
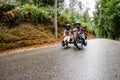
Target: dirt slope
{"points": [[28, 35]]}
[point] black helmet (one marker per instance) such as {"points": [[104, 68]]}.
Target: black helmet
{"points": [[77, 25]]}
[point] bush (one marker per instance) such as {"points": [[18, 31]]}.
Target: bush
{"points": [[5, 6]]}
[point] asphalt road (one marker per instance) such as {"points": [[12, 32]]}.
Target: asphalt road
{"points": [[100, 60]]}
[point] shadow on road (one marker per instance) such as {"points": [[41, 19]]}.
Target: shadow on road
{"points": [[68, 47], [73, 48]]}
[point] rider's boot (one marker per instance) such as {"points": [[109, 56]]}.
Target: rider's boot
{"points": [[84, 43], [67, 43], [63, 43]]}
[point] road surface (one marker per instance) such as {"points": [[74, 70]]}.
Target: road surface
{"points": [[100, 60]]}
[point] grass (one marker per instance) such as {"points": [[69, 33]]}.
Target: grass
{"points": [[26, 35]]}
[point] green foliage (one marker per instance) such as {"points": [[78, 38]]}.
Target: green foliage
{"points": [[42, 11], [6, 6], [28, 11], [41, 2], [107, 18], [62, 19], [72, 17]]}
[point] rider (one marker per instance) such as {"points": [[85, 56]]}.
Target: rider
{"points": [[79, 32], [67, 34]]}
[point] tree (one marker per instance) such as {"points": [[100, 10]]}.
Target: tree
{"points": [[107, 18]]}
